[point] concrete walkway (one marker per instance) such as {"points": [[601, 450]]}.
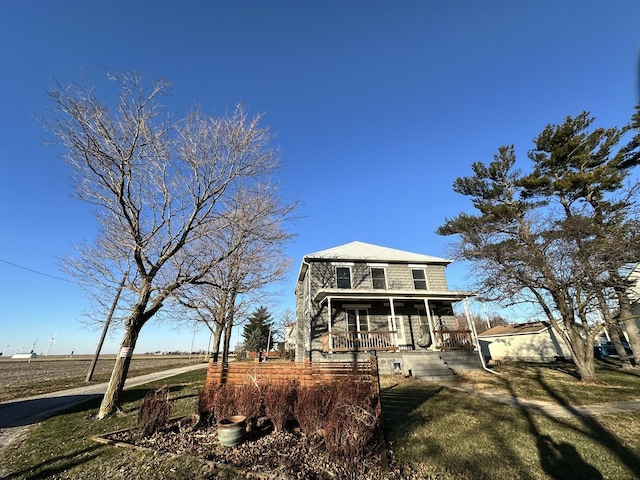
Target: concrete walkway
{"points": [[553, 409], [16, 415]]}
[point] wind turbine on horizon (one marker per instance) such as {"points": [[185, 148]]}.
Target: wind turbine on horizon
{"points": [[51, 342]]}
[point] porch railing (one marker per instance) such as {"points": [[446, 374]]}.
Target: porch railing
{"points": [[454, 340], [362, 341]]}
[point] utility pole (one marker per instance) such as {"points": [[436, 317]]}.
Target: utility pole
{"points": [[268, 343], [104, 330], [193, 338], [486, 314]]}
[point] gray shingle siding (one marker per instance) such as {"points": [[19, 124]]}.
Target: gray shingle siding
{"points": [[398, 276], [436, 278], [322, 274]]}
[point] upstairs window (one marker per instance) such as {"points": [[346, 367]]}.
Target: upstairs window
{"points": [[377, 277], [419, 278], [343, 276]]}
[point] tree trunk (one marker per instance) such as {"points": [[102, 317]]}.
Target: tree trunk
{"points": [[613, 326], [217, 336], [111, 400], [582, 353], [615, 334], [634, 339], [626, 318], [631, 327], [227, 342], [228, 328]]}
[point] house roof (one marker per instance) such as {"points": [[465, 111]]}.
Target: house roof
{"points": [[515, 329], [373, 253]]}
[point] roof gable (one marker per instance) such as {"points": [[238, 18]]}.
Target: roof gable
{"points": [[360, 251]]}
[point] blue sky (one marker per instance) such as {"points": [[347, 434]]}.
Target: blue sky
{"points": [[377, 106]]}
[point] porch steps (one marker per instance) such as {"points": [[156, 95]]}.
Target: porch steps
{"points": [[461, 360], [440, 367], [428, 367]]}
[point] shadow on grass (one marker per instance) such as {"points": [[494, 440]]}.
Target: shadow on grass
{"points": [[399, 405], [412, 418], [561, 460], [56, 465]]}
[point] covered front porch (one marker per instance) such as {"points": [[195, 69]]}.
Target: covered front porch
{"points": [[360, 323]]}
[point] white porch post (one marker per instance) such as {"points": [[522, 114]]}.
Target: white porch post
{"points": [[394, 323], [430, 322], [329, 342]]}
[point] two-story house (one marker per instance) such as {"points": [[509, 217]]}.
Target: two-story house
{"points": [[359, 298]]}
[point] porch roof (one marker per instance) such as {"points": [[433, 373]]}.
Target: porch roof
{"points": [[347, 294]]}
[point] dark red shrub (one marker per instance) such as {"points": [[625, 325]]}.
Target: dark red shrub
{"points": [[154, 412], [353, 422], [313, 406], [249, 401], [279, 398]]}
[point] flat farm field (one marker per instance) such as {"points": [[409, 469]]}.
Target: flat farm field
{"points": [[23, 378]]}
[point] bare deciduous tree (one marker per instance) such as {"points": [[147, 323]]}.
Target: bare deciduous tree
{"points": [[221, 299], [164, 193]]}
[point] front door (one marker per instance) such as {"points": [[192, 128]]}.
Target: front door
{"points": [[396, 324]]}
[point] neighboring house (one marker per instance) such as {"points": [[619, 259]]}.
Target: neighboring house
{"points": [[634, 295], [530, 342], [290, 336], [360, 298]]}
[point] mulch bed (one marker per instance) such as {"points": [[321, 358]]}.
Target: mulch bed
{"points": [[264, 454]]}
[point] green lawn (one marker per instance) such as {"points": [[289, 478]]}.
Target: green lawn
{"points": [[434, 433]]}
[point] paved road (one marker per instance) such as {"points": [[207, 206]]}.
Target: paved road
{"points": [[22, 412]]}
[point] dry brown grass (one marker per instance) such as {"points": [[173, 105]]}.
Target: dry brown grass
{"points": [[23, 378]]}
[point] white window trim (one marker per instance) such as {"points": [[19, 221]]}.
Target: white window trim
{"points": [[358, 324], [426, 278], [384, 270], [350, 276]]}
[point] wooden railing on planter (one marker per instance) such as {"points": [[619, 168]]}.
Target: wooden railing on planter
{"points": [[454, 340], [362, 341], [305, 373]]}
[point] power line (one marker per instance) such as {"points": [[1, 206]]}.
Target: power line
{"points": [[36, 271]]}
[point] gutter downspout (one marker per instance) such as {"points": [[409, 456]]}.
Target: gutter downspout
{"points": [[475, 336]]}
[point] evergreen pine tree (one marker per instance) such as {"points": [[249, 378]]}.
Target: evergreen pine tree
{"points": [[256, 331]]}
